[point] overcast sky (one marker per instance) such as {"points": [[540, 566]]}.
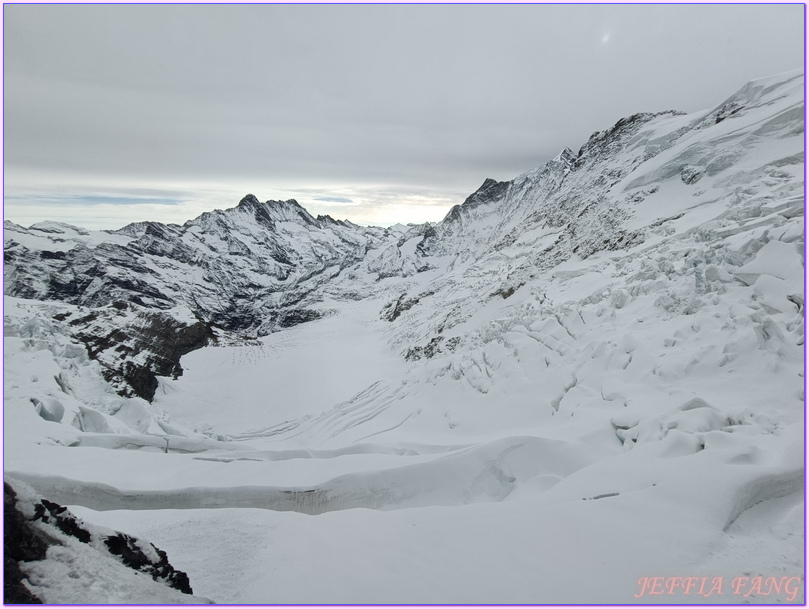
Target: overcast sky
{"points": [[377, 113]]}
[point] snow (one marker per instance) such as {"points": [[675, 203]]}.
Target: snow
{"points": [[59, 237], [304, 370], [72, 575], [524, 432], [74, 572]]}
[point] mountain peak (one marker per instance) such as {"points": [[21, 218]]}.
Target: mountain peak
{"points": [[249, 199], [490, 189], [567, 156]]}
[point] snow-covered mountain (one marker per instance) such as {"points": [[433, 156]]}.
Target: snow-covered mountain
{"points": [[251, 270], [597, 359]]}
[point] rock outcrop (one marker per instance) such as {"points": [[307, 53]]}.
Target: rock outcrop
{"points": [[32, 526]]}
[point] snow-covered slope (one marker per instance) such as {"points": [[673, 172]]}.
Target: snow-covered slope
{"points": [[67, 560], [586, 376], [160, 291], [218, 265]]}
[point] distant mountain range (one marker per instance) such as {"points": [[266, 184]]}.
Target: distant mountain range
{"points": [[609, 347], [261, 267]]}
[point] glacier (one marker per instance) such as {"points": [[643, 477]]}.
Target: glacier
{"points": [[583, 377]]}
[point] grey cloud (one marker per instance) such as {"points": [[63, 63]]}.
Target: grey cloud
{"points": [[334, 199], [92, 200], [435, 97]]}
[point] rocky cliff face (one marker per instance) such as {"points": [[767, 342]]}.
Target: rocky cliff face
{"points": [[625, 187]]}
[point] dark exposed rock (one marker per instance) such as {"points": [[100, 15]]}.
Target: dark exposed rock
{"points": [[58, 515], [133, 556], [602, 144], [25, 541], [394, 309], [727, 111], [159, 335], [690, 175], [427, 351], [488, 191], [300, 316], [505, 292], [249, 200], [20, 543], [428, 241], [52, 255], [14, 590]]}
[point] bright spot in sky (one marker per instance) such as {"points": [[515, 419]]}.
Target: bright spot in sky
{"points": [[605, 38]]}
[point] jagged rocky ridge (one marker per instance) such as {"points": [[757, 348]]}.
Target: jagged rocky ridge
{"points": [[246, 269], [32, 525]]}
